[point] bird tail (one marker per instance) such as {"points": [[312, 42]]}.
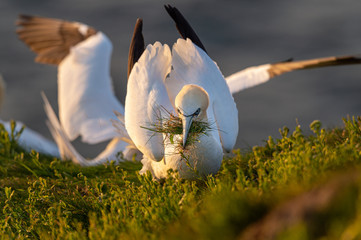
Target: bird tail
{"points": [[67, 150]]}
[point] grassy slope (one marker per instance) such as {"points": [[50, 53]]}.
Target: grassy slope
{"points": [[295, 187]]}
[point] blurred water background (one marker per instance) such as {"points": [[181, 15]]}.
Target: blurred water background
{"points": [[236, 34]]}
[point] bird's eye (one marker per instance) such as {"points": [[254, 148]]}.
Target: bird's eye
{"points": [[196, 113], [179, 111]]}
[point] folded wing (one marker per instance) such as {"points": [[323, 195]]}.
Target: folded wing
{"points": [[191, 65], [146, 97]]}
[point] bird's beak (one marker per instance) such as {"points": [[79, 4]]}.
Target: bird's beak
{"points": [[187, 122]]}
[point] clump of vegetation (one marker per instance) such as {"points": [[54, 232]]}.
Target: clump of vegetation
{"points": [[171, 125], [294, 187]]}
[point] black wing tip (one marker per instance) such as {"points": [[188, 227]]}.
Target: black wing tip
{"points": [[288, 60], [168, 7], [184, 28], [356, 57], [173, 12], [23, 18], [138, 29], [170, 10], [136, 48], [139, 24]]}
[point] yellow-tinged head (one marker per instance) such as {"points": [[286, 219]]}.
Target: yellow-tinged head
{"points": [[191, 104]]}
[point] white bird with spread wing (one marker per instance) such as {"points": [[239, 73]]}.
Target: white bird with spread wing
{"points": [[85, 92], [86, 99], [195, 90]]}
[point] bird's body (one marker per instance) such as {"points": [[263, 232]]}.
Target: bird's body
{"points": [[199, 157], [202, 158], [194, 90]]}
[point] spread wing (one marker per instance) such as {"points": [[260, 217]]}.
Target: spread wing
{"points": [[146, 96], [191, 65], [85, 91], [254, 76], [50, 38]]}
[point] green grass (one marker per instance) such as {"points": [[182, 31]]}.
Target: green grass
{"points": [[294, 187]]}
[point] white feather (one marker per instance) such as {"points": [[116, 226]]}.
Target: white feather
{"points": [[31, 140], [247, 78], [146, 96], [111, 152], [85, 91], [191, 65]]}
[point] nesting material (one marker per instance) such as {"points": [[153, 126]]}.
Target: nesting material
{"points": [[172, 125]]}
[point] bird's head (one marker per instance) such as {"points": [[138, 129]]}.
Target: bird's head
{"points": [[191, 104]]}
